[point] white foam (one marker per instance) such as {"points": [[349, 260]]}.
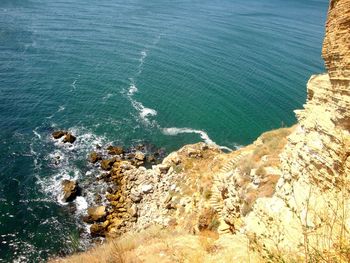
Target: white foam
{"points": [[132, 89], [61, 108], [107, 96], [175, 131], [73, 84], [37, 134], [204, 136], [143, 56], [144, 112], [147, 112], [81, 203]]}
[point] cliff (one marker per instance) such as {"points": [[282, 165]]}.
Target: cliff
{"points": [[284, 198], [309, 211]]}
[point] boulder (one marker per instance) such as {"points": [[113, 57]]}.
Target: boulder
{"points": [[115, 150], [97, 213], [70, 190], [58, 134], [97, 229], [69, 138], [107, 164], [133, 210], [135, 196], [140, 156], [94, 157], [146, 188], [163, 168]]}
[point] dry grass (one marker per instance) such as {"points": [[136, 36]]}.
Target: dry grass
{"points": [[163, 246], [273, 143]]}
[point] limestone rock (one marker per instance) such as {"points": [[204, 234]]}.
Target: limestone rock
{"points": [[97, 213], [58, 134], [135, 196], [140, 156], [115, 150], [97, 229], [70, 190], [163, 168], [94, 157], [146, 188], [107, 164], [315, 161], [70, 138]]}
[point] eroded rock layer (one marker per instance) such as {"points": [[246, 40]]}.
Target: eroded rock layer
{"points": [[315, 162]]}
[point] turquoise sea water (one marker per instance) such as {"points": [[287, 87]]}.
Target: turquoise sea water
{"points": [[163, 72]]}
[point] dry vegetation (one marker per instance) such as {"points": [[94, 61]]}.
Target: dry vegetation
{"points": [[160, 245]]}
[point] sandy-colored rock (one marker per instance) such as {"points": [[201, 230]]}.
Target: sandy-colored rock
{"points": [[69, 138], [70, 190], [107, 164], [315, 162], [94, 157], [58, 134], [97, 212]]}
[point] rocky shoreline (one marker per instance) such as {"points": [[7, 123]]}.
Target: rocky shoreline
{"points": [[113, 212]]}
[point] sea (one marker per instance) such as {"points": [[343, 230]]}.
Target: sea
{"points": [[124, 72]]}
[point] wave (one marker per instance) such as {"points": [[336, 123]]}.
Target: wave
{"points": [[144, 112], [36, 133], [64, 160], [61, 108], [204, 136], [73, 84], [143, 57], [105, 98], [132, 89]]}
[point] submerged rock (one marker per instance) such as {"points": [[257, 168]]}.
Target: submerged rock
{"points": [[70, 190], [69, 138], [58, 134]]}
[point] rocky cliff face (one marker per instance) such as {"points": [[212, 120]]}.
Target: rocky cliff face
{"points": [[316, 161]]}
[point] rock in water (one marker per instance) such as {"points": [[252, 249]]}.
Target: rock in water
{"points": [[95, 213], [58, 134], [70, 190], [107, 164], [69, 138], [115, 150], [94, 157]]}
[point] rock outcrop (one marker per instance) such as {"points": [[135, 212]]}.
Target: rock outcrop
{"points": [[70, 190], [316, 161]]}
